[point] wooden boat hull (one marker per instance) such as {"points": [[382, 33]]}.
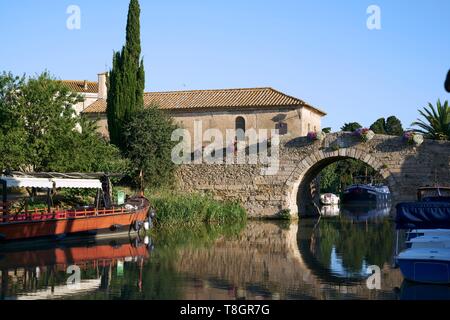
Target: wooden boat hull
{"points": [[23, 230]]}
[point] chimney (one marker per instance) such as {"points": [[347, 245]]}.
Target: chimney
{"points": [[102, 89], [85, 85]]}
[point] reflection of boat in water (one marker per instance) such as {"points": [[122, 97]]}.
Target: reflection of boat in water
{"points": [[45, 260], [364, 191], [62, 291], [365, 212], [420, 291], [330, 211], [78, 251], [329, 199]]}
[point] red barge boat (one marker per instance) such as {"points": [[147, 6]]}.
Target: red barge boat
{"points": [[24, 224]]}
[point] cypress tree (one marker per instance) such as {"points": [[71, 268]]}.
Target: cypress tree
{"points": [[126, 79], [394, 126], [379, 126]]}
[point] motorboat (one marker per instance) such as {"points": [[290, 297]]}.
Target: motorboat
{"points": [[429, 242], [329, 199], [427, 259], [47, 220], [425, 265], [365, 190], [431, 211]]}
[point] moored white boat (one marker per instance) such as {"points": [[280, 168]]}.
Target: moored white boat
{"points": [[329, 199], [429, 242]]}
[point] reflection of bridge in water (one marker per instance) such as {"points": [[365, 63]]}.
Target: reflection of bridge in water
{"points": [[271, 261]]}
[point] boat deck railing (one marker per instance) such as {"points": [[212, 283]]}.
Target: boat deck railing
{"points": [[43, 214]]}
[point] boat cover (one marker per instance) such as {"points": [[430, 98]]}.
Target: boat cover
{"points": [[423, 215], [19, 182], [78, 183]]}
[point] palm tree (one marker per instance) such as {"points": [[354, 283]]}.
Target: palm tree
{"points": [[436, 124]]}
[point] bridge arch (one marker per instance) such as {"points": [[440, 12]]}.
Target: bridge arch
{"points": [[308, 168]]}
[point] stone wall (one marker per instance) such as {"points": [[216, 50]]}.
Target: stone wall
{"points": [[404, 167]]}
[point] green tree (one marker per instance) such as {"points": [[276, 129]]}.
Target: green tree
{"points": [[390, 126], [41, 132], [436, 122], [149, 147], [126, 79], [12, 133], [326, 130], [379, 126], [394, 126], [351, 127]]}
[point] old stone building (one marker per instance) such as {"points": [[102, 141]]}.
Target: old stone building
{"points": [[250, 108]]}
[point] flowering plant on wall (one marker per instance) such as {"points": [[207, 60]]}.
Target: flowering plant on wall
{"points": [[364, 134], [413, 138], [316, 136]]}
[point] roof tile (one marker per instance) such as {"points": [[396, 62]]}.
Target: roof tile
{"points": [[253, 98]]}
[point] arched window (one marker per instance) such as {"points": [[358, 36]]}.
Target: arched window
{"points": [[309, 127], [240, 128], [240, 124]]}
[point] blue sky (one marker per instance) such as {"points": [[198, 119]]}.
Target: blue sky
{"points": [[319, 51]]}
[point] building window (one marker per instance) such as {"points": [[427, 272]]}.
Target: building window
{"points": [[315, 129], [240, 124], [240, 128], [309, 127], [282, 128]]}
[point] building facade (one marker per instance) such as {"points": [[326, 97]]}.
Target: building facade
{"points": [[223, 109]]}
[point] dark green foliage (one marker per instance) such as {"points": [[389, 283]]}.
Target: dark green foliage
{"points": [[379, 126], [436, 124], [126, 80], [12, 130], [326, 130], [351, 127], [394, 126], [339, 175], [41, 132], [149, 147], [390, 126]]}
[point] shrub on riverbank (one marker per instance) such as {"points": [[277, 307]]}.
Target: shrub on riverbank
{"points": [[175, 209]]}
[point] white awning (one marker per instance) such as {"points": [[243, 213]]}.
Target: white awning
{"points": [[27, 182], [77, 183]]}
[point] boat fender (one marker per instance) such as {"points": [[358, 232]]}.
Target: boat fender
{"points": [[137, 225]]}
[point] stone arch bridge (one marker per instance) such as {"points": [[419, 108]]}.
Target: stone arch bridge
{"points": [[404, 168]]}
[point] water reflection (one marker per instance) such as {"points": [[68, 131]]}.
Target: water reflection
{"points": [[314, 259]]}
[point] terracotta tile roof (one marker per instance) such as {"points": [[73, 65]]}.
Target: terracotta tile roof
{"points": [[254, 98], [81, 86], [98, 106]]}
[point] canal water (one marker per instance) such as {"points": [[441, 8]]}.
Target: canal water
{"points": [[316, 258]]}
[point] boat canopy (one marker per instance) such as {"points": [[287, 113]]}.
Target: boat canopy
{"points": [[22, 182], [423, 215], [77, 183], [50, 183]]}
